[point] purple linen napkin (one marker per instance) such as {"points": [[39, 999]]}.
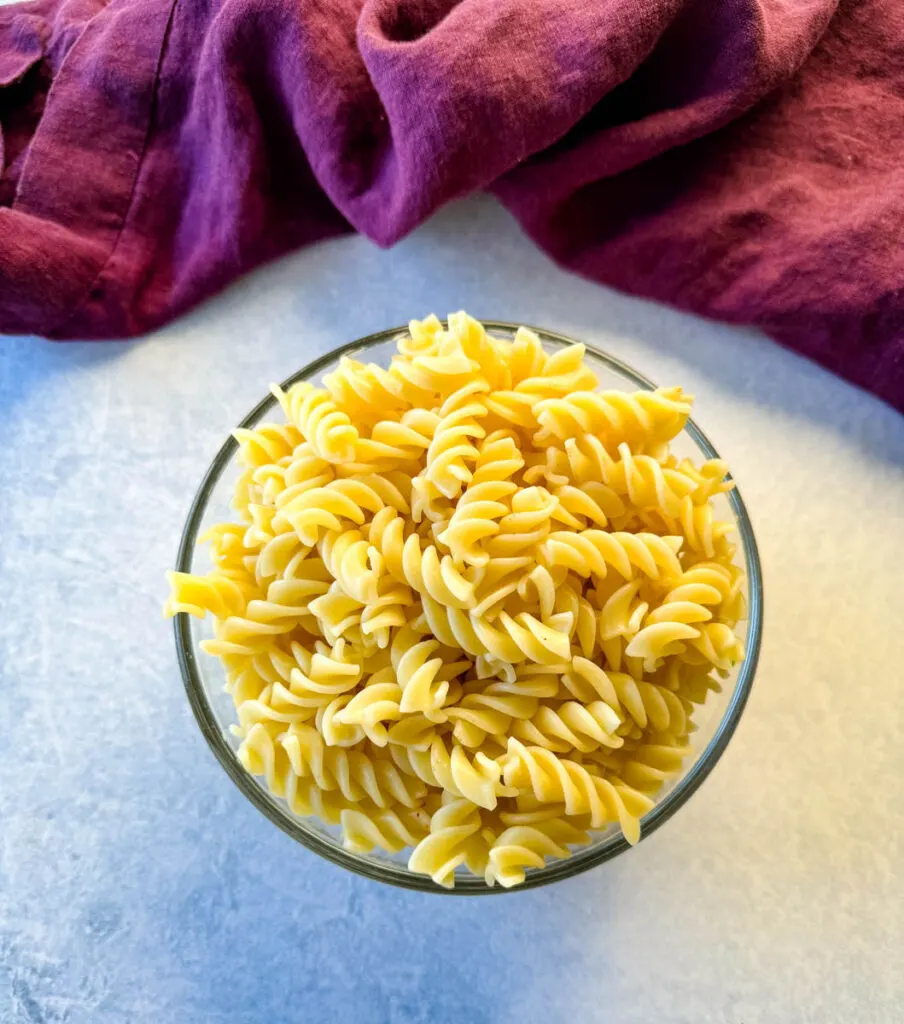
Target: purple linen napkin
{"points": [[738, 158]]}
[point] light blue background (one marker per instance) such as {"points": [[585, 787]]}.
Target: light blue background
{"points": [[137, 884]]}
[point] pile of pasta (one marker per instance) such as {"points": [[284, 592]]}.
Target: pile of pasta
{"points": [[470, 602]]}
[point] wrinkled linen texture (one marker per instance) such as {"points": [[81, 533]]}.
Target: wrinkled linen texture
{"points": [[738, 158]]}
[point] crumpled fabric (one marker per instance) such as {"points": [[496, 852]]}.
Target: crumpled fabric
{"points": [[741, 159]]}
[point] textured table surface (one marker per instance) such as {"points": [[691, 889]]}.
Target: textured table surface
{"points": [[137, 884]]}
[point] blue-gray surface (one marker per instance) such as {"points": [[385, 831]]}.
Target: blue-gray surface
{"points": [[136, 884]]}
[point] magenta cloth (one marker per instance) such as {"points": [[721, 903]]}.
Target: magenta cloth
{"points": [[743, 159]]}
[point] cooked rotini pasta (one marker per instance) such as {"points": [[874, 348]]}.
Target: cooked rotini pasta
{"points": [[470, 603]]}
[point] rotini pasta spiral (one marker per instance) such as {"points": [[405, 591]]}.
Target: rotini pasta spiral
{"points": [[261, 755], [388, 830], [527, 358], [372, 707], [487, 353], [279, 557], [488, 712], [352, 498], [571, 726], [526, 526], [417, 673], [563, 374], [528, 846], [470, 604], [350, 559], [484, 500], [643, 703], [594, 551], [412, 432], [623, 612], [323, 425], [523, 638], [267, 444], [438, 854], [303, 471], [553, 779], [452, 447], [424, 377], [338, 615], [654, 416], [423, 337], [220, 594], [425, 570], [285, 604], [353, 773], [660, 640], [718, 645], [386, 611], [226, 546], [362, 391]]}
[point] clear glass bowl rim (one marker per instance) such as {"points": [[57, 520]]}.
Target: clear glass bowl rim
{"points": [[397, 874]]}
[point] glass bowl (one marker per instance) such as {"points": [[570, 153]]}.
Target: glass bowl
{"points": [[204, 677]]}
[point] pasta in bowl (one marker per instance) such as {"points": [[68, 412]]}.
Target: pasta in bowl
{"points": [[485, 602]]}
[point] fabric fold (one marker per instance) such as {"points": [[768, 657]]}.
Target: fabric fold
{"points": [[76, 183]]}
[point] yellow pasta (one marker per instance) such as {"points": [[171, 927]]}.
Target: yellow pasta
{"points": [[528, 846], [470, 603]]}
